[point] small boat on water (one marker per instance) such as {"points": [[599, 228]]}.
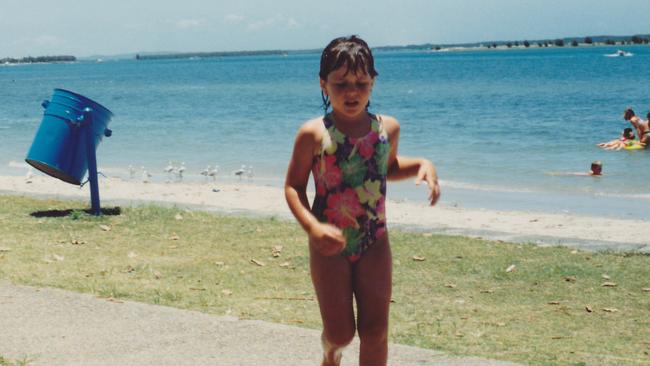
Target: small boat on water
{"points": [[620, 53]]}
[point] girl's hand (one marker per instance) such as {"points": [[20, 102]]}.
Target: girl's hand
{"points": [[327, 239], [427, 172]]}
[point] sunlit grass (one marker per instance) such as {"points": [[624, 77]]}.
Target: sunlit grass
{"points": [[557, 306]]}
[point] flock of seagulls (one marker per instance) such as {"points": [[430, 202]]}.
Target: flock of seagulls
{"points": [[175, 173]]}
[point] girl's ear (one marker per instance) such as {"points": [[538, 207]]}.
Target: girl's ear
{"points": [[322, 85]]}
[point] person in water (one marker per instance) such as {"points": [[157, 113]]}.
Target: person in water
{"points": [[642, 128], [595, 171], [627, 139]]}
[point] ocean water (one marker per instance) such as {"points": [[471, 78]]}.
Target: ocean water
{"points": [[495, 123]]}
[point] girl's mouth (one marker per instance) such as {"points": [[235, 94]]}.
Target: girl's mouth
{"points": [[351, 103]]}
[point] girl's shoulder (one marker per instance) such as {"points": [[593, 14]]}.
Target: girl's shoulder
{"points": [[390, 123], [311, 133], [313, 127]]}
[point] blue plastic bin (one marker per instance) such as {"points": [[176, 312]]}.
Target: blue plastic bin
{"points": [[60, 147]]}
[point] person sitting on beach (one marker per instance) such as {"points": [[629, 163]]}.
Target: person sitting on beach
{"points": [[627, 138], [351, 154], [595, 171], [641, 126]]}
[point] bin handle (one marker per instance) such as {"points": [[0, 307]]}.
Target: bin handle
{"points": [[76, 122]]}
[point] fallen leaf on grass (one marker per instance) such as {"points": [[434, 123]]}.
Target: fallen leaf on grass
{"points": [[554, 303], [57, 257], [589, 309], [219, 263], [105, 227], [157, 275], [4, 250], [276, 251], [77, 242], [197, 289], [609, 284], [284, 265], [131, 255], [511, 268], [226, 292], [646, 289], [418, 258], [606, 277], [570, 278], [258, 263], [178, 217], [450, 285], [610, 310], [489, 291], [174, 237]]}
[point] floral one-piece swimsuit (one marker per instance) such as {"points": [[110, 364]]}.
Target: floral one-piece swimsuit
{"points": [[350, 176]]}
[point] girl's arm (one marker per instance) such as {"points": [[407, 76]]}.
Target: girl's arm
{"points": [[401, 167], [327, 239]]}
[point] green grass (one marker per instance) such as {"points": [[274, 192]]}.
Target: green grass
{"points": [[460, 299], [6, 362]]}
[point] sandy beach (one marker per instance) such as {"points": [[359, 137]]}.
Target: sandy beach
{"points": [[585, 232]]}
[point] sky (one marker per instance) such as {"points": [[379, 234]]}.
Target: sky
{"points": [[84, 28]]}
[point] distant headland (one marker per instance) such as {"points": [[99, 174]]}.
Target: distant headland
{"points": [[39, 59], [640, 39], [158, 56], [539, 43]]}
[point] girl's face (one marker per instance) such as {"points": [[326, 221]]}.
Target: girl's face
{"points": [[349, 92]]}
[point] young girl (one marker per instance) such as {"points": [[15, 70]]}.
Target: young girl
{"points": [[351, 153]]}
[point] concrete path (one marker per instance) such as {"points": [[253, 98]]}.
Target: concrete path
{"points": [[56, 327]]}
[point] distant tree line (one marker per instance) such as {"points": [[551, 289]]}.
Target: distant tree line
{"points": [[32, 60], [210, 54], [560, 42]]}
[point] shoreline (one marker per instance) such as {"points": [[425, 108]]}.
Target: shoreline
{"points": [[545, 229]]}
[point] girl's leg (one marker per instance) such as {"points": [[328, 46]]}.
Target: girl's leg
{"points": [[332, 279], [372, 288]]}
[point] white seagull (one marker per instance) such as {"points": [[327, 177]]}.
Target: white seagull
{"points": [[145, 175], [169, 169], [29, 176], [131, 171], [239, 172], [213, 173], [180, 171], [205, 172]]}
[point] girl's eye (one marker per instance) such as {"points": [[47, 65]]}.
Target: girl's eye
{"points": [[346, 85]]}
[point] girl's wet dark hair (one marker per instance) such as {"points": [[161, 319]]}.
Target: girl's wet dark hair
{"points": [[352, 51]]}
